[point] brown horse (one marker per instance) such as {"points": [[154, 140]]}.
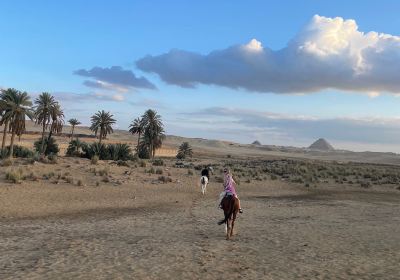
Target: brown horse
{"points": [[230, 205]]}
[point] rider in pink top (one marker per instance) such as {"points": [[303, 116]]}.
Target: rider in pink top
{"points": [[229, 184], [229, 187]]}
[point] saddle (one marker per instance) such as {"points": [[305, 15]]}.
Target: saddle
{"points": [[228, 195]]}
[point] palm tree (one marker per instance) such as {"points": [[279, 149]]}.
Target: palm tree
{"points": [[73, 123], [57, 120], [17, 109], [5, 118], [44, 104], [137, 127], [184, 151], [153, 132], [5, 98], [102, 121]]}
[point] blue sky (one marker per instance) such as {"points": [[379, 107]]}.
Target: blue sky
{"points": [[116, 55]]}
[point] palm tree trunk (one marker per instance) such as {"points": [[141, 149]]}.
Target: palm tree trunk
{"points": [[4, 135], [138, 141], [48, 140], [72, 133], [43, 131], [101, 135], [12, 143]]}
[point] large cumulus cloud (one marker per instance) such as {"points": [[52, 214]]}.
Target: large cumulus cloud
{"points": [[326, 53]]}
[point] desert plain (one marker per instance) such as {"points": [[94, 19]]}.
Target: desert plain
{"points": [[307, 215]]}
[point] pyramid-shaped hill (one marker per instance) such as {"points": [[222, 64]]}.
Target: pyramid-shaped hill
{"points": [[321, 145], [257, 143]]}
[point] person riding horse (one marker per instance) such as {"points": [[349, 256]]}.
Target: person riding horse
{"points": [[206, 172], [229, 188]]}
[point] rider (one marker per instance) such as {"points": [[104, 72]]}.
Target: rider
{"points": [[206, 172], [229, 188]]}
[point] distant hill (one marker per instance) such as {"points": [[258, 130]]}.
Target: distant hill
{"points": [[256, 143], [321, 145]]}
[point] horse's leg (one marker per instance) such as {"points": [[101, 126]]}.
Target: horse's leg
{"points": [[226, 227], [228, 223], [233, 221]]}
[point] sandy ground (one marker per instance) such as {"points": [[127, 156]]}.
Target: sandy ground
{"points": [[134, 227]]}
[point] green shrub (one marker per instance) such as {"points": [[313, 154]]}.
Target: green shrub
{"points": [[76, 148], [119, 151], [18, 152], [51, 146], [97, 149], [143, 151]]}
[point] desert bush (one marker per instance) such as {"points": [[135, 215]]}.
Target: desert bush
{"points": [[94, 159], [103, 172], [164, 179], [365, 184], [159, 171], [6, 162], [69, 180], [122, 163], [190, 172], [105, 179], [142, 163], [15, 176], [50, 144], [151, 170], [158, 162], [53, 159]]}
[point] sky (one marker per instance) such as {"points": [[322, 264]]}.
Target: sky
{"points": [[280, 72]]}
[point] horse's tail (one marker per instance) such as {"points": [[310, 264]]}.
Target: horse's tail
{"points": [[229, 213], [203, 180]]}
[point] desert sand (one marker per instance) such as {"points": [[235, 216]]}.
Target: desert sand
{"points": [[66, 221]]}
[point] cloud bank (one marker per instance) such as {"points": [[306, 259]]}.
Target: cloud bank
{"points": [[328, 53], [113, 78], [298, 130]]}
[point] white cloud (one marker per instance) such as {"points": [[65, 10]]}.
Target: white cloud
{"points": [[326, 53]]}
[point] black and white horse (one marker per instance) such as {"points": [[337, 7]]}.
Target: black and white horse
{"points": [[205, 174], [203, 183]]}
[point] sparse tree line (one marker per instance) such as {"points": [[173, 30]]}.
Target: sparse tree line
{"points": [[16, 107]]}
